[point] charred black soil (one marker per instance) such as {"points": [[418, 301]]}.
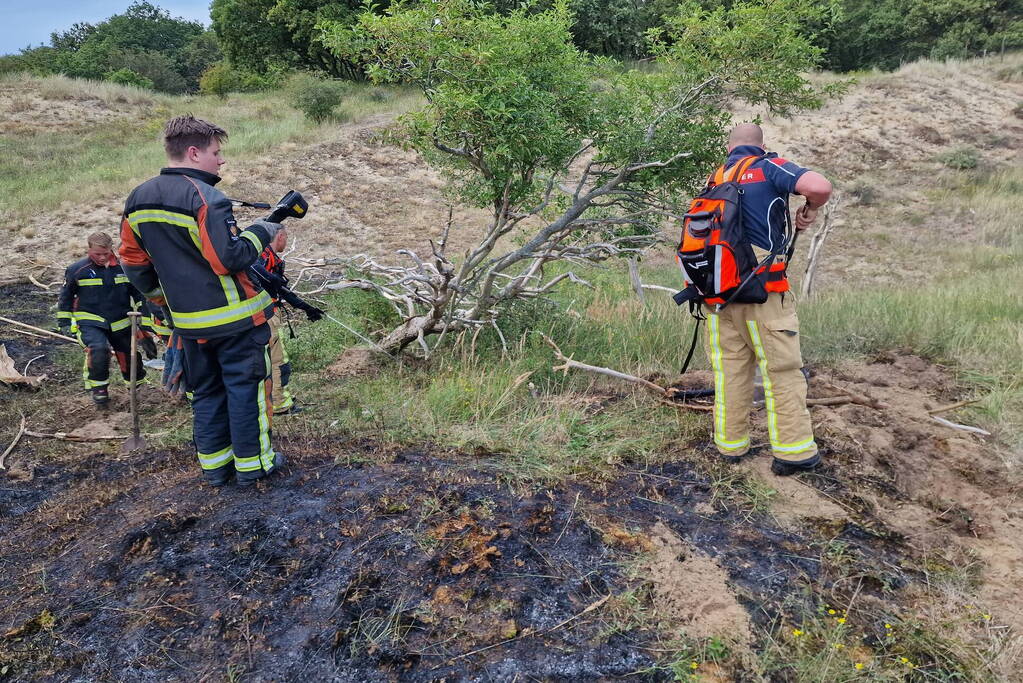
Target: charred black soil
{"points": [[422, 568]]}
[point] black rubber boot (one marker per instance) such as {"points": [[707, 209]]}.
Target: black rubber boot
{"points": [[279, 462], [100, 396], [783, 468]]}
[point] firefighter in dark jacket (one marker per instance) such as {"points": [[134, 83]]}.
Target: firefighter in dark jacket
{"points": [[269, 270], [181, 247], [94, 304]]}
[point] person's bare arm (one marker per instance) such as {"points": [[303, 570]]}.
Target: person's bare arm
{"points": [[817, 190]]}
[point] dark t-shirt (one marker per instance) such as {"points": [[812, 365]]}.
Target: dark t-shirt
{"points": [[767, 185]]}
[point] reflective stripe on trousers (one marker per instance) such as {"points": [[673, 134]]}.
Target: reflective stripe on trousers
{"points": [[739, 339]]}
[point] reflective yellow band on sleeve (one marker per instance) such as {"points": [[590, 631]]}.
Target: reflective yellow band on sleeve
{"points": [[252, 237]]}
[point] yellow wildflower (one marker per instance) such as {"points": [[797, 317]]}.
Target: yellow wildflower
{"points": [[987, 617], [840, 620], [796, 632], [837, 646], [859, 665], [831, 611], [888, 626], [694, 665]]}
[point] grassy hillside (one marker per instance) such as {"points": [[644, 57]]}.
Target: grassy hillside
{"points": [[477, 513]]}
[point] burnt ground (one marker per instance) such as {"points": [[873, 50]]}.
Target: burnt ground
{"points": [[127, 570], [366, 561]]}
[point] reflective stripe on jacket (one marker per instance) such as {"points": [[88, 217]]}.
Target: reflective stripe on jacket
{"points": [[179, 247], [94, 295]]}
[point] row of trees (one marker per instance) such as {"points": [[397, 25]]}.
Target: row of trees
{"points": [[253, 42], [144, 46]]}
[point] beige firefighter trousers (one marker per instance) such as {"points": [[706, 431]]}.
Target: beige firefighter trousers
{"points": [[281, 397], [741, 338]]}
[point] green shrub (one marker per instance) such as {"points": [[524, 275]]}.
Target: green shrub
{"points": [[865, 192], [316, 97], [1017, 111], [962, 159], [219, 79], [223, 78], [126, 76]]}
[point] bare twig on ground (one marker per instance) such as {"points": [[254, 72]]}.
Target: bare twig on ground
{"points": [[66, 436], [953, 406], [962, 428], [569, 364], [33, 360], [527, 633], [27, 333], [39, 284], [687, 406], [38, 329], [17, 438]]}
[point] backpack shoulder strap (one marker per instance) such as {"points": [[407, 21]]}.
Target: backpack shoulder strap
{"points": [[741, 166], [717, 177]]}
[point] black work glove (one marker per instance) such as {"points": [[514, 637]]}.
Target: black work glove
{"points": [[64, 329], [312, 312]]}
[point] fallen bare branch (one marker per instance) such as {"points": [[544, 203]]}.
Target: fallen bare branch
{"points": [[67, 436], [569, 364], [17, 438], [38, 329], [962, 428]]}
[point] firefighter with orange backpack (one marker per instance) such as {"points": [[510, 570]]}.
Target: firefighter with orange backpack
{"points": [[737, 239]]}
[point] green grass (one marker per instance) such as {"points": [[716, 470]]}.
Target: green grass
{"points": [[472, 395], [43, 168]]}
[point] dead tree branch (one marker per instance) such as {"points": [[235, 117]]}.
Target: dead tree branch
{"points": [[816, 245], [17, 438]]}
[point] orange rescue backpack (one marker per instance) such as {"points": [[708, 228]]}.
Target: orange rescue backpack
{"points": [[714, 252]]}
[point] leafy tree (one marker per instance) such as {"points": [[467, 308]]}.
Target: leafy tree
{"points": [[146, 40], [262, 35], [886, 33], [588, 154]]}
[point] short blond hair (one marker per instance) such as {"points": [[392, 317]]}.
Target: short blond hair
{"points": [[101, 239]]}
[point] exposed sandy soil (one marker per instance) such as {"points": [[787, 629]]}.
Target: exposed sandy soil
{"points": [[24, 110], [369, 197], [884, 137]]}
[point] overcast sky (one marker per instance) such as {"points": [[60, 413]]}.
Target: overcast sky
{"points": [[25, 23]]}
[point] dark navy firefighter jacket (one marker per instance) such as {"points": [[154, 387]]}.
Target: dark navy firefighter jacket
{"points": [[96, 296], [179, 248]]}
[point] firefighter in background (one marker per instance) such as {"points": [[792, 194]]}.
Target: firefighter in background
{"points": [[94, 304], [269, 269]]}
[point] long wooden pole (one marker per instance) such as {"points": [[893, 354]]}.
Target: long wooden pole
{"points": [[39, 329]]}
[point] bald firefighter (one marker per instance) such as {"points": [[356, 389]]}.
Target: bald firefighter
{"points": [[742, 337]]}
